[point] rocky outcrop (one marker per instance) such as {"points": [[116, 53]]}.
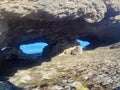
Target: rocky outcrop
{"points": [[64, 48], [115, 46], [27, 21], [97, 69], [47, 10], [59, 23]]}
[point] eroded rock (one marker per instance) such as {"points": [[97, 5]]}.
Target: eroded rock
{"points": [[47, 10], [59, 22], [97, 69]]}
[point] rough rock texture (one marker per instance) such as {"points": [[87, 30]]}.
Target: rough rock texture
{"points": [[53, 9], [73, 48], [97, 69], [58, 21]]}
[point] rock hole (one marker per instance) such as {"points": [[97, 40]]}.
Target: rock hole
{"points": [[84, 44], [34, 48]]}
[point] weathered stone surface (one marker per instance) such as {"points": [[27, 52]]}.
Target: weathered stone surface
{"points": [[47, 10], [27, 21], [59, 23], [94, 69], [115, 46], [63, 48]]}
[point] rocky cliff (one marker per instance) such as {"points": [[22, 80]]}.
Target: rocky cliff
{"points": [[58, 22]]}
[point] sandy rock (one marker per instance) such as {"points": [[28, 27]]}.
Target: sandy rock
{"points": [[73, 50]]}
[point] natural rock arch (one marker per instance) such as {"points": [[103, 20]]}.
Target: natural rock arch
{"points": [[58, 24]]}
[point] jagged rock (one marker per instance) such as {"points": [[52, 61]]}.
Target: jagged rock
{"points": [[67, 48], [77, 50], [47, 10], [115, 46], [95, 69], [59, 23], [24, 21]]}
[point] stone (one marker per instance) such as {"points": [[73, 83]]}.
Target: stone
{"points": [[98, 69], [56, 87], [29, 21], [72, 49], [115, 46], [46, 10], [76, 84], [77, 51], [60, 24]]}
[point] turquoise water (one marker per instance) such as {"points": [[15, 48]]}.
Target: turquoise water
{"points": [[83, 43], [38, 47], [33, 48]]}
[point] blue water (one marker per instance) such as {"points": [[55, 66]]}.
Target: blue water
{"points": [[33, 48], [38, 47], [83, 43]]}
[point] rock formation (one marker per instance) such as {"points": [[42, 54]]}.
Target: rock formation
{"points": [[97, 69], [58, 22]]}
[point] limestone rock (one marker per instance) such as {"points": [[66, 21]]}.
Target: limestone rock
{"points": [[29, 21], [72, 49], [95, 69], [42, 10], [59, 23], [77, 50], [115, 46]]}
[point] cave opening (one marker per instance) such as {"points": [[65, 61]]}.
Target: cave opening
{"points": [[84, 44], [33, 48]]}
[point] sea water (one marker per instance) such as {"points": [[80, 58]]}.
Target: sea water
{"points": [[39, 46]]}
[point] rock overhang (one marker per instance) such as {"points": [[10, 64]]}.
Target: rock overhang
{"points": [[54, 9], [58, 21]]}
